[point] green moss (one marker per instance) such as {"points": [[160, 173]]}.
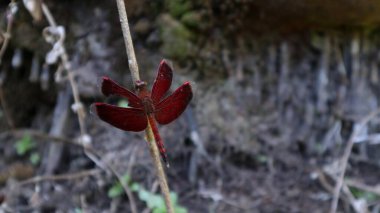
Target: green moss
{"points": [[192, 19], [176, 38], [178, 7]]}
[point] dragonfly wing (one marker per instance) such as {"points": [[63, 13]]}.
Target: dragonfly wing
{"points": [[163, 81], [110, 87], [128, 119], [171, 107]]}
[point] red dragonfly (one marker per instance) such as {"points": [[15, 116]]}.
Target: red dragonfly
{"points": [[146, 107]]}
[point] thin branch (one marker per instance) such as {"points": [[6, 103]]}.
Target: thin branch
{"points": [[149, 133], [40, 135], [48, 15], [89, 152], [362, 186], [69, 176], [346, 155], [348, 197], [94, 157], [132, 62], [12, 8], [7, 35], [159, 168], [125, 187], [66, 64]]}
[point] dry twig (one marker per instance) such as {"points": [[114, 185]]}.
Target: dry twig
{"points": [[149, 133], [84, 138], [125, 187], [346, 155], [7, 35], [132, 62], [40, 135], [362, 186], [70, 176], [358, 204], [12, 8], [160, 170], [67, 66]]}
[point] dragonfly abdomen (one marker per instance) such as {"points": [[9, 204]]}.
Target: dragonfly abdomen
{"points": [[157, 138]]}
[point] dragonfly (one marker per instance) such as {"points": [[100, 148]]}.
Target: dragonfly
{"points": [[146, 107]]}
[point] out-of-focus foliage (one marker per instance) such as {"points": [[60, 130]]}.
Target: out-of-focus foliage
{"points": [[24, 145], [155, 202]]}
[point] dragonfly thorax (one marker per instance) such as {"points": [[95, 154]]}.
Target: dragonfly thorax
{"points": [[148, 105], [144, 95]]}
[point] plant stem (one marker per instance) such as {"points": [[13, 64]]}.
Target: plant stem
{"points": [[7, 35], [90, 153], [160, 170], [346, 155], [66, 64], [132, 62]]}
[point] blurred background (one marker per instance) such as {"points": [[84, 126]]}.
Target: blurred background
{"points": [[279, 88]]}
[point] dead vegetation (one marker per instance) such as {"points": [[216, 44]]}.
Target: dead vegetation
{"points": [[276, 118]]}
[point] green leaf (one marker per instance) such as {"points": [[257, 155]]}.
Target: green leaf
{"points": [[135, 187], [160, 210], [178, 7], [126, 178], [173, 197], [192, 19], [179, 209], [368, 196], [115, 191], [35, 158], [144, 195], [156, 201], [24, 145]]}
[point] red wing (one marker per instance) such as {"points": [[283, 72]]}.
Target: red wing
{"points": [[128, 119], [163, 81], [110, 87], [171, 107]]}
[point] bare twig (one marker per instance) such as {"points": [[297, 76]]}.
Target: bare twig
{"points": [[160, 170], [95, 154], [67, 66], [12, 8], [131, 162], [48, 15], [346, 155], [132, 62], [362, 186], [149, 133], [125, 187], [358, 204], [84, 139], [41, 135], [323, 181], [61, 177], [7, 34]]}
